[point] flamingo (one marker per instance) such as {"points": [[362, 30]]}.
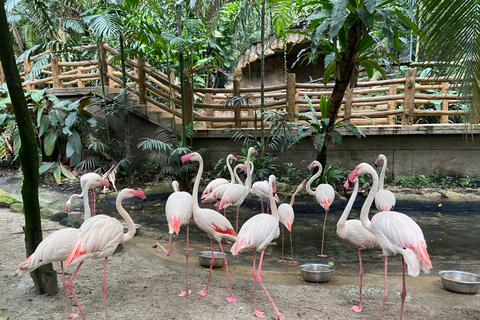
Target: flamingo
{"points": [[220, 181], [99, 236], [257, 233], [88, 181], [384, 199], [236, 194], [213, 223], [178, 211], [396, 233], [55, 247], [260, 189], [286, 216], [324, 194], [353, 231]]}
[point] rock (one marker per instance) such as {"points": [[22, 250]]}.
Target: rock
{"points": [[46, 212], [59, 216], [67, 222], [77, 223], [6, 199], [16, 207]]}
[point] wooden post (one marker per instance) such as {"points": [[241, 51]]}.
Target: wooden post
{"points": [[80, 83], [56, 71], [102, 61], [409, 100], [292, 107], [210, 112], [444, 106], [238, 108], [188, 103], [110, 82], [2, 76], [142, 90], [348, 103], [27, 65], [391, 105]]}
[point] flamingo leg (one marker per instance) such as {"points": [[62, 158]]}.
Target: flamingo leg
{"points": [[204, 292], [104, 287], [404, 289], [169, 245], [385, 288], [291, 248], [257, 313], [236, 223], [360, 306], [186, 292], [70, 288], [261, 201], [64, 283], [93, 201], [259, 279], [232, 297], [281, 260], [323, 235]]}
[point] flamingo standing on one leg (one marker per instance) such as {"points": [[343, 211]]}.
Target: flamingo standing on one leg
{"points": [[220, 181], [236, 194], [396, 233], [99, 236], [286, 216], [213, 223], [260, 189], [257, 233], [324, 193], [384, 199], [178, 211], [88, 181], [353, 231]]}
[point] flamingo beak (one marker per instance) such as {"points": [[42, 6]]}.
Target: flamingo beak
{"points": [[345, 187], [186, 157], [255, 152], [234, 159], [67, 208], [353, 175], [104, 183], [376, 162], [289, 225], [310, 166], [138, 193], [277, 199]]}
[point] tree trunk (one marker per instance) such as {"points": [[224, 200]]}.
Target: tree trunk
{"points": [[28, 157], [344, 76]]}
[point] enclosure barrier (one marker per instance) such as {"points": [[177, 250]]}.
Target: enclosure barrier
{"points": [[405, 101]]}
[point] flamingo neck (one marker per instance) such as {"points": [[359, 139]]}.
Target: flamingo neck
{"points": [[382, 174], [315, 176], [295, 193], [349, 206], [131, 226], [368, 202], [196, 184], [273, 205], [248, 180], [87, 213], [232, 174]]}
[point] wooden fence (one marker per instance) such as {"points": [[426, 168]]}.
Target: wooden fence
{"points": [[405, 101]]}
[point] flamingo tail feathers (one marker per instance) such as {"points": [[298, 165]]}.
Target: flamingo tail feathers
{"points": [[175, 221], [237, 246], [77, 251]]}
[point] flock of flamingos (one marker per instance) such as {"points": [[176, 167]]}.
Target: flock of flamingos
{"points": [[99, 235]]}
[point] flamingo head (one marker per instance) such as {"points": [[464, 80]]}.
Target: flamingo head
{"points": [[245, 169], [277, 199], [234, 158], [104, 183], [353, 175], [187, 157], [138, 193], [67, 206]]}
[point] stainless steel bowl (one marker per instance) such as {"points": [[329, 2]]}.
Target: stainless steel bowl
{"points": [[206, 256], [137, 228], [74, 214], [459, 281], [316, 272]]}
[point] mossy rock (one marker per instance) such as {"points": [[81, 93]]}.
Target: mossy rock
{"points": [[46, 212], [6, 200], [67, 222], [16, 207]]}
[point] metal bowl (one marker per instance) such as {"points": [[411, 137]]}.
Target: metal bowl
{"points": [[74, 214], [316, 272], [137, 228], [459, 281], [206, 256]]}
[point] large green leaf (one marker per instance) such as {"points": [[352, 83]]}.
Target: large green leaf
{"points": [[70, 119], [44, 167], [57, 174], [336, 136], [69, 150], [67, 173], [338, 17], [318, 140], [43, 125], [76, 141], [3, 116]]}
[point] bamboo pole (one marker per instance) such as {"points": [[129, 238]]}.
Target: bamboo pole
{"points": [[409, 100], [209, 112], [103, 62], [81, 83], [392, 104], [444, 106], [237, 110], [56, 72], [140, 72], [27, 65], [292, 107]]}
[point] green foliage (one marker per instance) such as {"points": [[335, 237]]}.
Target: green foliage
{"points": [[418, 181], [292, 176], [264, 165]]}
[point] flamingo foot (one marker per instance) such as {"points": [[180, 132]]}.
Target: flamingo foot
{"points": [[231, 299], [228, 241], [357, 308], [292, 261], [72, 315], [203, 293], [258, 314], [322, 255], [282, 261], [185, 293], [279, 317]]}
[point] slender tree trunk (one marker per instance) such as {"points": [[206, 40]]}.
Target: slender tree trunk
{"points": [[262, 81], [28, 156], [182, 84], [345, 70], [18, 38]]}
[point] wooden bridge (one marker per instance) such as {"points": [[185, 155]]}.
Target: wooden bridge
{"points": [[404, 101]]}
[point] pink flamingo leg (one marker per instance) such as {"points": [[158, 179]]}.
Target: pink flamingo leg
{"points": [[93, 201], [259, 279], [404, 289], [257, 313], [64, 283], [291, 248], [186, 292], [104, 288], [385, 288], [231, 298], [70, 288], [281, 260], [323, 235], [156, 245], [360, 306], [236, 223], [261, 202], [204, 292]]}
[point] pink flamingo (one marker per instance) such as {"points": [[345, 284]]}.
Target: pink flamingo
{"points": [[324, 194], [98, 237], [213, 223], [55, 247], [286, 216], [178, 211], [220, 181], [236, 194], [396, 233], [353, 231], [257, 233], [88, 181], [260, 189], [384, 199]]}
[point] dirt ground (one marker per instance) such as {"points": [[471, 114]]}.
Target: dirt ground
{"points": [[143, 284]]}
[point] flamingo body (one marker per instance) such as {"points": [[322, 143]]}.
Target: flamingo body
{"points": [[260, 189], [178, 209], [220, 181], [88, 181], [384, 199]]}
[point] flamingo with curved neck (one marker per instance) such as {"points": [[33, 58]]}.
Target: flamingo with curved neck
{"points": [[384, 199], [88, 181], [220, 181]]}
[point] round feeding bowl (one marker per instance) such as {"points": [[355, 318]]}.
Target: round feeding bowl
{"points": [[316, 272], [459, 281], [74, 214], [206, 256], [137, 228]]}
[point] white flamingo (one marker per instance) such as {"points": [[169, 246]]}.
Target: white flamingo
{"points": [[88, 181], [220, 181], [384, 199]]}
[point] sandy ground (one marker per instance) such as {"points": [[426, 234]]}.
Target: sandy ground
{"points": [[143, 284]]}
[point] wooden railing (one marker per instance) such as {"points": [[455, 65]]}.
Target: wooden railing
{"points": [[406, 101]]}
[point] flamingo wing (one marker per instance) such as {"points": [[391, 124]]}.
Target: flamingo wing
{"points": [[286, 215], [325, 194], [354, 232], [233, 196], [214, 224], [257, 232], [384, 200], [178, 210], [213, 184]]}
